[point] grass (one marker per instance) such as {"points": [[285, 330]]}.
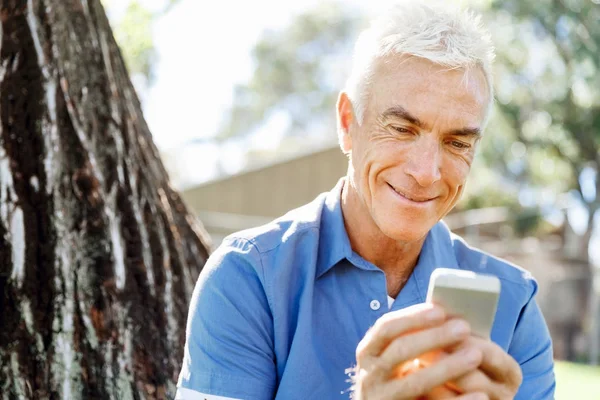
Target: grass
{"points": [[577, 381]]}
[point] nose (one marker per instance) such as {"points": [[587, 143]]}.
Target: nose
{"points": [[424, 161]]}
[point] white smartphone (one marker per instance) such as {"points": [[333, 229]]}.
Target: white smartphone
{"points": [[468, 295]]}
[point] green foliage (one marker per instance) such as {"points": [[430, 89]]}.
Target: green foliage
{"points": [[526, 221], [489, 196], [134, 36], [548, 85], [485, 191], [298, 70]]}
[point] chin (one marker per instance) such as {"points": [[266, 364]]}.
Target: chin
{"points": [[404, 229]]}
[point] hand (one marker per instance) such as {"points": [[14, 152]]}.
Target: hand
{"points": [[404, 335], [447, 391], [498, 375]]}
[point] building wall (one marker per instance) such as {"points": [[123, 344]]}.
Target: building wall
{"points": [[273, 190]]}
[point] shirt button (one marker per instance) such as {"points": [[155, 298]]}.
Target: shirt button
{"points": [[375, 305]]}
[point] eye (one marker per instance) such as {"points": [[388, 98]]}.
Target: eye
{"points": [[457, 144], [400, 129]]}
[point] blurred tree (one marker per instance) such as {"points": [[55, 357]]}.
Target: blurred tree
{"points": [[98, 254], [133, 33], [298, 72], [548, 90], [132, 28]]}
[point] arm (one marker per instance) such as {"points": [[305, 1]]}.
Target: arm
{"points": [[229, 336], [531, 346], [188, 394]]}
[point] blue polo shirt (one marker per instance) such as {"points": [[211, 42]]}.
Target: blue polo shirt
{"points": [[278, 310]]}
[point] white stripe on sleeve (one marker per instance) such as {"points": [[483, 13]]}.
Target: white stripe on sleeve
{"points": [[188, 394]]}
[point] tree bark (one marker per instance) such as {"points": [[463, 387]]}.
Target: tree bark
{"points": [[98, 254]]}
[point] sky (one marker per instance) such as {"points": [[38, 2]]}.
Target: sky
{"points": [[203, 51]]}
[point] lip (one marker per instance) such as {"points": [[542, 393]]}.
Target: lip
{"points": [[411, 198]]}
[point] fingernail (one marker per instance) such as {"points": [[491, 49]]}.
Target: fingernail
{"points": [[471, 356], [435, 314], [459, 327]]}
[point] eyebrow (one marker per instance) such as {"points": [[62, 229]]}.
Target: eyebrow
{"points": [[401, 113], [468, 132]]}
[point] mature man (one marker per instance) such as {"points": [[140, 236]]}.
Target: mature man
{"points": [[283, 310]]}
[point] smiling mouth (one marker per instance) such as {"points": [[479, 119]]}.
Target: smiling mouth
{"points": [[416, 199]]}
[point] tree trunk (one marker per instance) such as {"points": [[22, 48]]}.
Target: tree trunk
{"points": [[98, 254]]}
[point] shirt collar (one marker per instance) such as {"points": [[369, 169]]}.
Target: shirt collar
{"points": [[334, 244], [437, 252]]}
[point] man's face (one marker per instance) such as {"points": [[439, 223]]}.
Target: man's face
{"points": [[413, 151]]}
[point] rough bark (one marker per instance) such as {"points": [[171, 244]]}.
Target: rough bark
{"points": [[98, 254]]}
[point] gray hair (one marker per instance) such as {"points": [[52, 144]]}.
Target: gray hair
{"points": [[449, 36]]}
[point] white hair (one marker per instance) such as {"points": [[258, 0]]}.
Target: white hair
{"points": [[449, 36]]}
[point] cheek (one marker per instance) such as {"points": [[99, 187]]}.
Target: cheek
{"points": [[388, 154], [455, 179], [362, 161], [370, 161], [457, 173]]}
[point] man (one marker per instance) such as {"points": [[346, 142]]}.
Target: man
{"points": [[282, 311]]}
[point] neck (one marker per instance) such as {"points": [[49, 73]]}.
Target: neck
{"points": [[396, 258]]}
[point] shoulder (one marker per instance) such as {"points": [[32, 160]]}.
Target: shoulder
{"points": [[272, 260], [283, 231], [512, 276], [254, 251], [516, 306]]}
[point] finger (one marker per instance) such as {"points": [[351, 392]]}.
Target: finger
{"points": [[441, 393], [476, 381], [473, 396], [496, 363], [394, 324], [424, 380], [413, 345]]}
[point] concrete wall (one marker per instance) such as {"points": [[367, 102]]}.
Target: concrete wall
{"points": [[273, 190]]}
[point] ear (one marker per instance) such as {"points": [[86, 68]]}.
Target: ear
{"points": [[345, 118]]}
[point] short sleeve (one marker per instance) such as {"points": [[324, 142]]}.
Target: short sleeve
{"points": [[229, 336], [531, 346]]}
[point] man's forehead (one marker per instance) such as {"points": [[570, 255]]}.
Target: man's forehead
{"points": [[401, 67], [405, 83]]}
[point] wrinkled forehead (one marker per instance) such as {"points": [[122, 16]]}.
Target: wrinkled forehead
{"points": [[401, 80], [403, 68]]}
